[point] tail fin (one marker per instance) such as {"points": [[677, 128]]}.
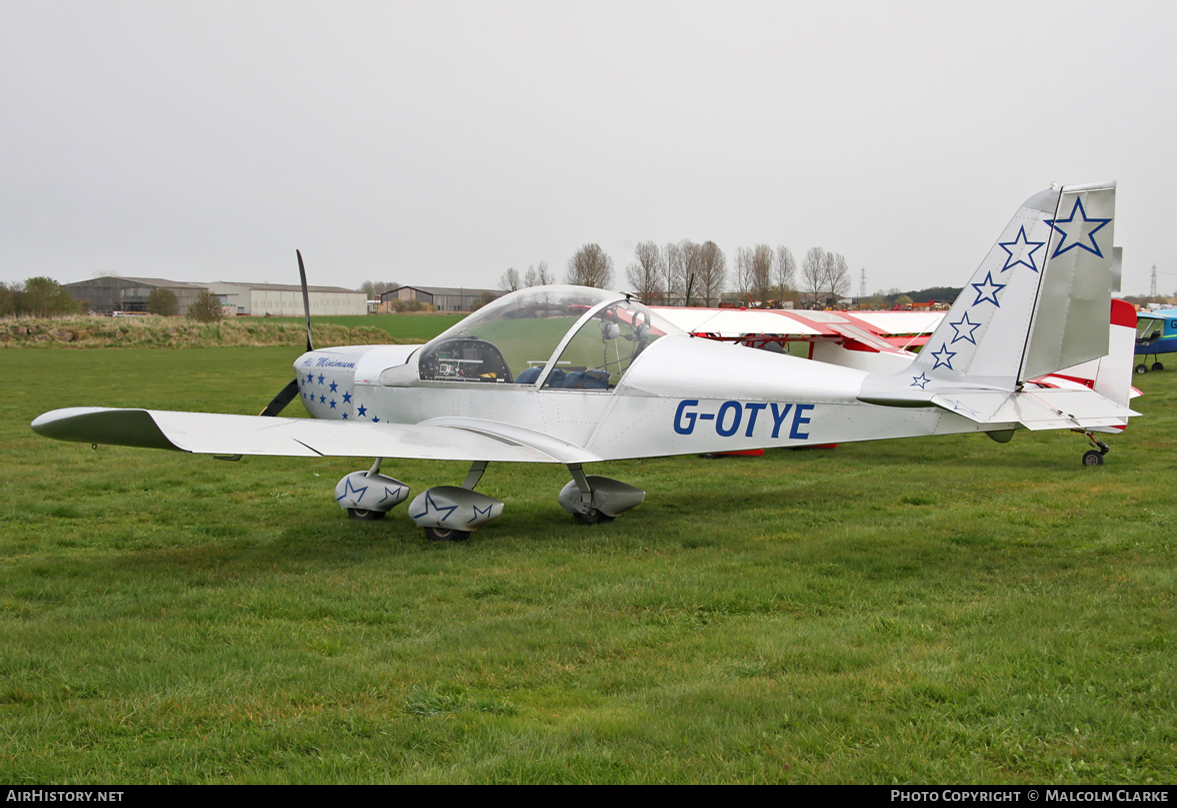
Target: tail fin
{"points": [[1038, 302], [1111, 375]]}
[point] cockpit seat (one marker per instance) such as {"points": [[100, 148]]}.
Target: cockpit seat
{"points": [[584, 380], [529, 376]]}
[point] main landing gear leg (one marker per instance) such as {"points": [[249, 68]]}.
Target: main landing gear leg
{"points": [[1094, 457], [369, 495], [595, 500], [451, 512], [585, 512], [474, 474]]}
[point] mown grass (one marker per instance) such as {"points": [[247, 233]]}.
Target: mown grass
{"points": [[940, 610]]}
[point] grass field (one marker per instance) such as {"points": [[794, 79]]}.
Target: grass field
{"points": [[938, 610]]}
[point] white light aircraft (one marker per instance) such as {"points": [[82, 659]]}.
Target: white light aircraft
{"points": [[575, 376]]}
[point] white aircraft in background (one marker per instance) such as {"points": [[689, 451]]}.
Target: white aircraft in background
{"points": [[570, 375]]}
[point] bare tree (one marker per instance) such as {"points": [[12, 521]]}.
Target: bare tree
{"points": [[510, 281], [743, 268], [712, 265], [784, 271], [825, 276], [813, 273], [373, 289], [645, 275], [590, 266], [762, 261], [837, 276], [683, 261], [670, 274], [539, 277]]}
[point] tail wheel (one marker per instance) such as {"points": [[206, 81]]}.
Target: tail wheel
{"points": [[367, 516]]}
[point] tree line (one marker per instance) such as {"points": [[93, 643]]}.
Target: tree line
{"points": [[36, 297], [686, 273]]}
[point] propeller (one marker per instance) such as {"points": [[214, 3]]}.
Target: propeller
{"points": [[288, 392]]}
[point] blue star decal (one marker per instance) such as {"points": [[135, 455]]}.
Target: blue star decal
{"points": [[333, 386], [310, 378], [375, 420], [322, 399], [1078, 230], [956, 405], [987, 290], [919, 381], [332, 403], [389, 492], [943, 357], [479, 512], [345, 416], [346, 397], [429, 503], [964, 329], [348, 488], [1019, 245], [360, 412], [320, 378]]}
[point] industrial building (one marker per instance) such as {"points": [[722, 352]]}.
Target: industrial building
{"points": [[111, 293], [443, 298], [259, 299]]}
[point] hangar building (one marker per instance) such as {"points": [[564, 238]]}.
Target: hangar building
{"points": [[442, 298], [111, 293], [260, 299]]}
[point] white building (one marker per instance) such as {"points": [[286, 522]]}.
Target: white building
{"points": [[259, 299]]}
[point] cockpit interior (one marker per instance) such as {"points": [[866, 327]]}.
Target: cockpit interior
{"points": [[554, 337]]}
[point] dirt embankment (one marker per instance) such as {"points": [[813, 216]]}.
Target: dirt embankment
{"points": [[174, 332]]}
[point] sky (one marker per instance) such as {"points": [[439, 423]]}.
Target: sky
{"points": [[439, 143]]}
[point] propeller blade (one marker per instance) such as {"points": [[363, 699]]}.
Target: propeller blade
{"points": [[306, 299], [282, 399]]}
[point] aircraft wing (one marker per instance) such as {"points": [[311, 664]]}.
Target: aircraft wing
{"points": [[882, 332], [468, 439]]}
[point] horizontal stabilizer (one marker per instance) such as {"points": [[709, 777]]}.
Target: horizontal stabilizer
{"points": [[1038, 409], [217, 434]]}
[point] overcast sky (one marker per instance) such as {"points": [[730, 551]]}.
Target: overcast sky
{"points": [[438, 143]]}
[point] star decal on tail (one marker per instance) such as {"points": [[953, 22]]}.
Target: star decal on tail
{"points": [[943, 357], [964, 329], [1077, 230], [1018, 246], [987, 290]]}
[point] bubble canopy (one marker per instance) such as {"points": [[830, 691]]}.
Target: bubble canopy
{"points": [[556, 337]]}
